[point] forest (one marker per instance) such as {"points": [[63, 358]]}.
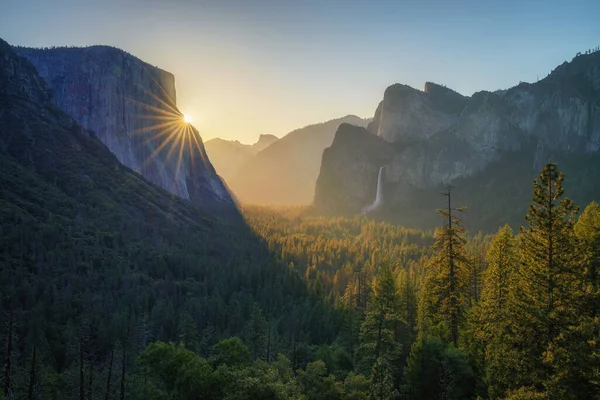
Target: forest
{"points": [[303, 307]]}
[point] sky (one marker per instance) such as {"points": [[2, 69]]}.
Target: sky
{"points": [[246, 67]]}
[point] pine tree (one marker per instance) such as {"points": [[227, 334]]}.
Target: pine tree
{"points": [[256, 333], [445, 285], [188, 331], [575, 353], [378, 343], [587, 230], [7, 384], [407, 311], [543, 295], [493, 319]]}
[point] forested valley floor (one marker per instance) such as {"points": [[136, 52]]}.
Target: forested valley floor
{"points": [[303, 308]]}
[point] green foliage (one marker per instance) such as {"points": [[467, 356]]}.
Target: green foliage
{"points": [[445, 294], [544, 295], [99, 267], [316, 384], [356, 387], [177, 372], [587, 230], [435, 370], [232, 352], [491, 319]]}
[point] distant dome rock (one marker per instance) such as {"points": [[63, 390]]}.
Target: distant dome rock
{"points": [[266, 139]]}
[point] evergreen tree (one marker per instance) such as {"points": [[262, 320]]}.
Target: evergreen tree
{"points": [[187, 330], [445, 291], [256, 333], [587, 230], [574, 355], [378, 342], [543, 296], [492, 317], [407, 311], [435, 370]]}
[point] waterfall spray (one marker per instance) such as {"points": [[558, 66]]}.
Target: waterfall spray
{"points": [[378, 194]]}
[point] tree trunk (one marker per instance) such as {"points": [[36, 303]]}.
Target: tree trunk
{"points": [[110, 365], [269, 342], [81, 372], [123, 369], [32, 376], [91, 381], [9, 346]]}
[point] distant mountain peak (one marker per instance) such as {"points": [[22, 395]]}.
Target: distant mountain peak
{"points": [[264, 140]]}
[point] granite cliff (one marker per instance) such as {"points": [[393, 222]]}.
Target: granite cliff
{"points": [[131, 107], [438, 137]]}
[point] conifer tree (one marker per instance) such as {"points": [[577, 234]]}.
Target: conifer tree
{"points": [[378, 331], [574, 355], [407, 299], [587, 230], [256, 333], [544, 292], [493, 319], [445, 285]]}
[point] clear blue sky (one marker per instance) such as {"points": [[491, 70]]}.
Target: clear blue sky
{"points": [[245, 67]]}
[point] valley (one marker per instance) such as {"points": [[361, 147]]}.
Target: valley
{"points": [[446, 248]]}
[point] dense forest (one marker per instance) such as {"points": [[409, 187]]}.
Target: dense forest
{"points": [[111, 288], [335, 308]]}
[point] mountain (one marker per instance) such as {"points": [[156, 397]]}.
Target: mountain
{"points": [[131, 107], [95, 257], [286, 171], [227, 156], [494, 140]]}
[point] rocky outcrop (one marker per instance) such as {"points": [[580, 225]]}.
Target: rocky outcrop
{"points": [[131, 107], [227, 156], [348, 178], [286, 171], [407, 114], [440, 137]]}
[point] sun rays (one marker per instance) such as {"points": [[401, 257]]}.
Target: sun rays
{"points": [[166, 129]]}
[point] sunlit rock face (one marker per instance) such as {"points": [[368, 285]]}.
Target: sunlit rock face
{"points": [[131, 107], [438, 136]]}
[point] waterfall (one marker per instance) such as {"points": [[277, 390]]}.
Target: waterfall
{"points": [[378, 194]]}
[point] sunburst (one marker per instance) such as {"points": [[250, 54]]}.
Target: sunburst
{"points": [[170, 130]]}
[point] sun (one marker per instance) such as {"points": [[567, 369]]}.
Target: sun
{"points": [[187, 118]]}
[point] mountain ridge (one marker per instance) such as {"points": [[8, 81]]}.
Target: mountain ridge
{"points": [[131, 107], [438, 136], [286, 171]]}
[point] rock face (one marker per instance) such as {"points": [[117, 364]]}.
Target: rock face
{"points": [[131, 107], [227, 156], [439, 137], [286, 171], [350, 168], [406, 113]]}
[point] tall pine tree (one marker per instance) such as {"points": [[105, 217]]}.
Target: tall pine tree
{"points": [[492, 320], [543, 295], [445, 286], [379, 349]]}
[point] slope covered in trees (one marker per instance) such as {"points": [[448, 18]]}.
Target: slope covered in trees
{"points": [[111, 288], [96, 262]]}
